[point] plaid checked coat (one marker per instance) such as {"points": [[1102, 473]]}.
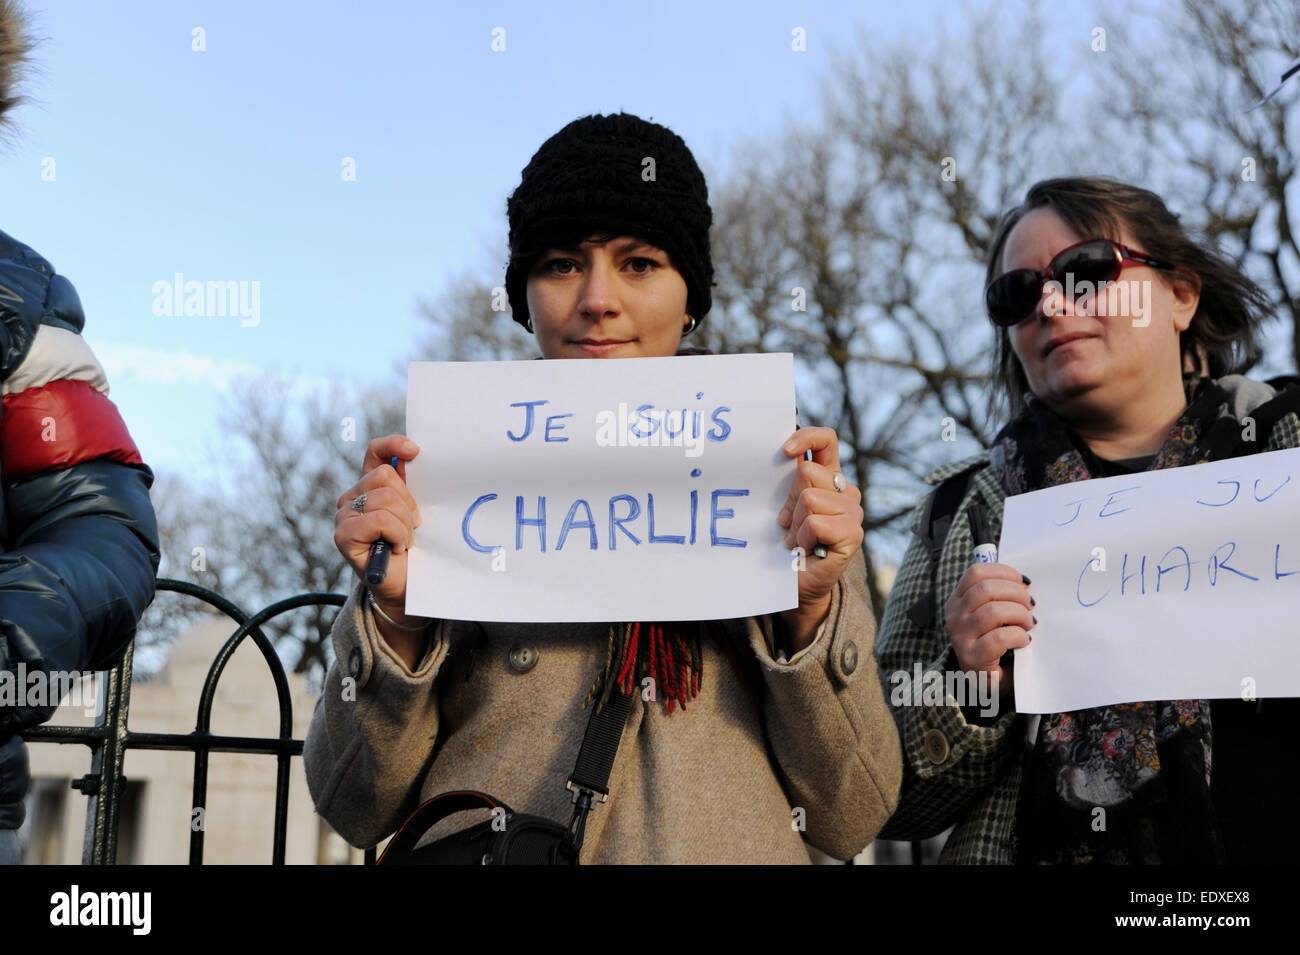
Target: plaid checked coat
{"points": [[958, 773], [955, 772]]}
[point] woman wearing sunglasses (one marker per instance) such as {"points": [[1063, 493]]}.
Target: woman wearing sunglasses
{"points": [[760, 733], [1114, 333]]}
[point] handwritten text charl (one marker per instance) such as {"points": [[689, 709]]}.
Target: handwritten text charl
{"points": [[1168, 584]]}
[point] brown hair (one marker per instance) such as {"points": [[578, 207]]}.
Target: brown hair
{"points": [[1223, 333], [15, 44]]}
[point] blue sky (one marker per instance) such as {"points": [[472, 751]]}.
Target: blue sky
{"points": [[226, 164]]}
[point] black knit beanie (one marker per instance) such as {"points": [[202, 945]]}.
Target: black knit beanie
{"points": [[592, 178]]}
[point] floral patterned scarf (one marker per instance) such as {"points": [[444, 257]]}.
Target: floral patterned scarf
{"points": [[1127, 783]]}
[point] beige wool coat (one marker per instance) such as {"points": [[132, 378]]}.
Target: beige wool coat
{"points": [[722, 781]]}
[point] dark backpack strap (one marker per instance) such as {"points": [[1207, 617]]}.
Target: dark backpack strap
{"points": [[940, 508], [1276, 410]]}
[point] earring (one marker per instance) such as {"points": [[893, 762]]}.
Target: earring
{"points": [[690, 327], [528, 324]]}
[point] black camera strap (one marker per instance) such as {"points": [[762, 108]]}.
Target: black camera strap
{"points": [[589, 782], [538, 839]]}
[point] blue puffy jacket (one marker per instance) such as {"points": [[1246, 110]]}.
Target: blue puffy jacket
{"points": [[78, 538]]}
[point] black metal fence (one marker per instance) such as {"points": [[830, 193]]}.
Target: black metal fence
{"points": [[110, 737]]}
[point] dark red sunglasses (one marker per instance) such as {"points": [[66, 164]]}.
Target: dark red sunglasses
{"points": [[1085, 266]]}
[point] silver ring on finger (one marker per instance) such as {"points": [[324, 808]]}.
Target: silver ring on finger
{"points": [[359, 505], [840, 481]]}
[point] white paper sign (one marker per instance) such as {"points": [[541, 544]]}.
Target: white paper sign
{"points": [[1166, 585], [587, 490]]}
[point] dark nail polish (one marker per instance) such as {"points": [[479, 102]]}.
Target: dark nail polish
{"points": [[1035, 620], [1025, 579], [1032, 601]]}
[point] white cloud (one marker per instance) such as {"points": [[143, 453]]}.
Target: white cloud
{"points": [[149, 364], [146, 363]]}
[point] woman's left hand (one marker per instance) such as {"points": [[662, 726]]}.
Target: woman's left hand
{"points": [[824, 508]]}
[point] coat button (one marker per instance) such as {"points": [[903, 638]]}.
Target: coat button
{"points": [[936, 746], [849, 657], [523, 657], [354, 663]]}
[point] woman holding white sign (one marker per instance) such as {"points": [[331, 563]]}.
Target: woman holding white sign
{"points": [[748, 735], [1115, 334]]}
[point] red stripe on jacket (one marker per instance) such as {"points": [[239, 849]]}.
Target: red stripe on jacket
{"points": [[58, 425]]}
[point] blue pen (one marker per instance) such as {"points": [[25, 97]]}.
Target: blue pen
{"points": [[380, 551], [986, 548], [819, 549], [986, 552]]}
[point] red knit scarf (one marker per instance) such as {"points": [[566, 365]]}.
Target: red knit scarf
{"points": [[665, 659]]}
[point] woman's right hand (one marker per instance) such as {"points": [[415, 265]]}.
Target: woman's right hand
{"points": [[988, 614], [390, 512]]}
